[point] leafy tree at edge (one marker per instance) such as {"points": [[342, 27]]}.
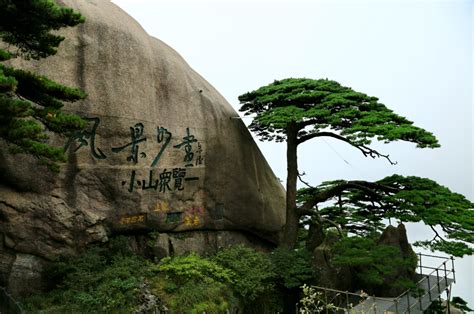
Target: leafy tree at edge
{"points": [[30, 104], [297, 110]]}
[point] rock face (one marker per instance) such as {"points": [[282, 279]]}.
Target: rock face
{"points": [[161, 153], [345, 277], [397, 237], [329, 276]]}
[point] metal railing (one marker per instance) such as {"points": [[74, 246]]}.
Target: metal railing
{"points": [[337, 301], [441, 282], [418, 299], [447, 260]]}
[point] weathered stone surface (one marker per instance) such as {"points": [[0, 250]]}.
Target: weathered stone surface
{"points": [[141, 90], [452, 308], [24, 273], [327, 275], [203, 242], [397, 237], [345, 278], [150, 303]]}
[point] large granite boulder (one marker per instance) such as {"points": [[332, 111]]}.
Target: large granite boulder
{"points": [[162, 152]]}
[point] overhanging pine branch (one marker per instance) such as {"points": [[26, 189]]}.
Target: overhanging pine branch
{"points": [[367, 151], [305, 123], [436, 234], [336, 225], [322, 195], [300, 175]]}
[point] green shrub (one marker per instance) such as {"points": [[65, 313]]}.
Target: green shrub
{"points": [[200, 297], [314, 301], [193, 284], [110, 279], [440, 307], [252, 272], [436, 307], [461, 304], [292, 267], [193, 267], [103, 279], [372, 263]]}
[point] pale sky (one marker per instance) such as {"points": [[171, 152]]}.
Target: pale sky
{"points": [[415, 56]]}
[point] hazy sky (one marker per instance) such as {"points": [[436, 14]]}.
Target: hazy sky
{"points": [[415, 56]]}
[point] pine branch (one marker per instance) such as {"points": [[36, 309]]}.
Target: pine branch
{"points": [[304, 182], [319, 196], [366, 151], [336, 225], [437, 236]]}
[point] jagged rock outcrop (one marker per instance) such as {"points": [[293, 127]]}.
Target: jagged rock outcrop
{"points": [[345, 278], [328, 275], [161, 152], [397, 237]]}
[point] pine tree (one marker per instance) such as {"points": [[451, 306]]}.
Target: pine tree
{"points": [[30, 105], [298, 110]]}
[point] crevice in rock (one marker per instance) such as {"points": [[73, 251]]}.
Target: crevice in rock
{"points": [[71, 172], [11, 206], [3, 217], [170, 247]]}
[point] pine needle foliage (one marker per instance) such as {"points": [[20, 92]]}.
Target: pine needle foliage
{"points": [[296, 110], [252, 272], [371, 263], [30, 104], [363, 211], [325, 105]]}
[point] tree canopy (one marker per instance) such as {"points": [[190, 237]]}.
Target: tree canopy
{"points": [[30, 105], [325, 108], [296, 110], [362, 208]]}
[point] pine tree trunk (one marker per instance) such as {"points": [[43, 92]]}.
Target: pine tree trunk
{"points": [[290, 231], [316, 236]]}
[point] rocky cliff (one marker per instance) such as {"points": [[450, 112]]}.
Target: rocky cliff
{"points": [[161, 152]]}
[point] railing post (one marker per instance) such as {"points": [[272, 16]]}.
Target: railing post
{"points": [[448, 296], [419, 300], [396, 306], [421, 268], [429, 288], [347, 302], [437, 281], [408, 301], [452, 264], [445, 274]]}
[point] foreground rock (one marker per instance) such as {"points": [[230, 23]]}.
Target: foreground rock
{"points": [[345, 278], [162, 152], [397, 237]]}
